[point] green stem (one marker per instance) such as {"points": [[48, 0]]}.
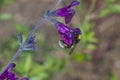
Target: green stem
{"points": [[91, 7]]}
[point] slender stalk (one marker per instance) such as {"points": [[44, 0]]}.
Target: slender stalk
{"points": [[88, 14], [58, 2], [36, 27], [53, 21], [95, 14], [12, 60], [43, 19], [91, 7]]}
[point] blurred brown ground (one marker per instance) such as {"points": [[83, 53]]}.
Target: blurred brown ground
{"points": [[29, 12]]}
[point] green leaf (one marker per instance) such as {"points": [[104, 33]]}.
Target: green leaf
{"points": [[8, 2], [21, 28], [28, 63], [59, 64], [1, 2], [110, 9], [88, 57], [19, 68], [5, 16], [43, 76], [81, 6], [90, 35], [34, 78], [91, 46], [41, 40], [36, 69], [79, 57], [109, 1], [93, 40], [112, 76]]}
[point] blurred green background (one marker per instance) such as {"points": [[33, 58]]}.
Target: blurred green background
{"points": [[96, 57]]}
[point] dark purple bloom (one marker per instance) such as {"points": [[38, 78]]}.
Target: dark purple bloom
{"points": [[69, 36], [67, 12], [9, 75]]}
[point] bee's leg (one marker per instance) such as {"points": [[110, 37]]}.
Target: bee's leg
{"points": [[72, 49]]}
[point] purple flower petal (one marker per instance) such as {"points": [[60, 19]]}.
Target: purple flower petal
{"points": [[78, 31], [69, 17], [62, 28], [67, 12], [63, 11], [74, 3], [11, 75], [66, 40], [8, 74], [11, 66]]}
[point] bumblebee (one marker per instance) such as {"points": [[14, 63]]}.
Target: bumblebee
{"points": [[76, 38]]}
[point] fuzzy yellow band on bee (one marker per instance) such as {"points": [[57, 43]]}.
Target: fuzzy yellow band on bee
{"points": [[79, 37]]}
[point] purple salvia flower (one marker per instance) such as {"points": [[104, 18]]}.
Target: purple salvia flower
{"points": [[9, 75], [69, 36], [67, 12]]}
